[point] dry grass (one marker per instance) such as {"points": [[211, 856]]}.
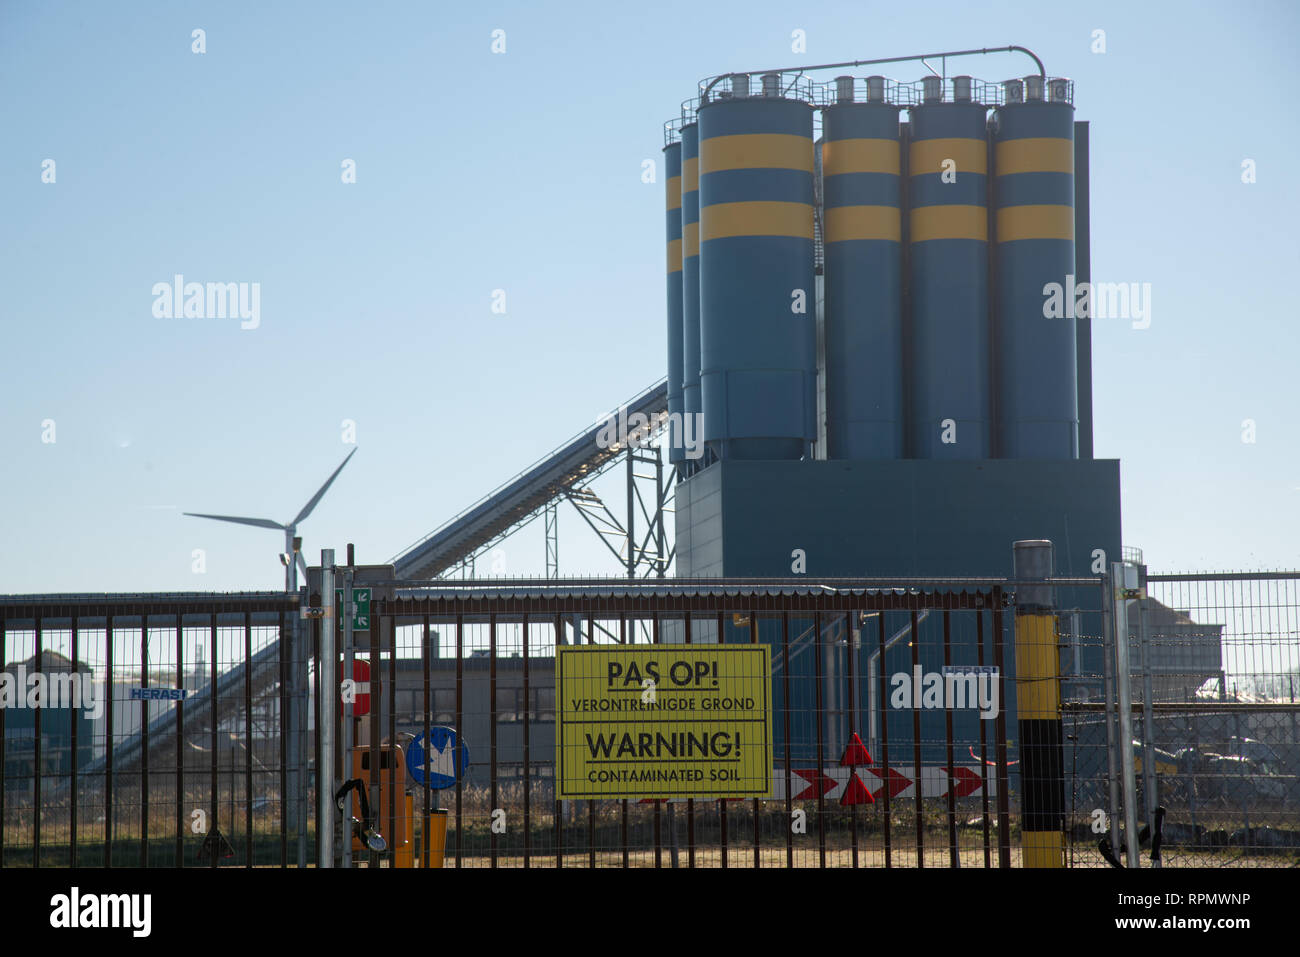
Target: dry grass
{"points": [[585, 823]]}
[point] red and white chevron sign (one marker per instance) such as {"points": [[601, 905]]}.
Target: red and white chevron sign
{"points": [[857, 781], [836, 784]]}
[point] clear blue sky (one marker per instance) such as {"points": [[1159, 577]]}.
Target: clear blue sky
{"points": [[522, 172]]}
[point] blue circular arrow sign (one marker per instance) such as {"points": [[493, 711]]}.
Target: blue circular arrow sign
{"points": [[447, 761]]}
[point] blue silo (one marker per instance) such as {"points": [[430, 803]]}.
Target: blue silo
{"points": [[1036, 374], [948, 249], [673, 176], [690, 274], [862, 237], [758, 372]]}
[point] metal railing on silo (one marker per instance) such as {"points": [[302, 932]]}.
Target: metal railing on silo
{"points": [[790, 86], [673, 127], [864, 90]]}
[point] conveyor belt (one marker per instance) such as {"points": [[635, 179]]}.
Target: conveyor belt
{"points": [[577, 461]]}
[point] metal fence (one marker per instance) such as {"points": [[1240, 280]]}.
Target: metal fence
{"points": [[199, 746], [147, 731], [1215, 682], [932, 786]]}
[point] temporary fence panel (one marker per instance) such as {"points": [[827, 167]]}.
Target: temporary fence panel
{"points": [[145, 731]]}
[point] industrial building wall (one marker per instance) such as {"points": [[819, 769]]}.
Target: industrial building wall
{"points": [[907, 517]]}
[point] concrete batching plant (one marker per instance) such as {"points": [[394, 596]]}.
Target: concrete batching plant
{"points": [[911, 228]]}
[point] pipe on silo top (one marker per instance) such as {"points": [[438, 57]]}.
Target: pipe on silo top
{"points": [[740, 84], [771, 84], [1058, 90], [875, 89], [932, 89], [1033, 88], [844, 89], [961, 89], [1013, 91]]}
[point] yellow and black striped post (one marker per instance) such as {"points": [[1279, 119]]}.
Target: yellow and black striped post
{"points": [[1038, 710]]}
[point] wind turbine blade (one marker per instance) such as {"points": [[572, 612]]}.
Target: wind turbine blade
{"points": [[239, 520], [306, 509]]}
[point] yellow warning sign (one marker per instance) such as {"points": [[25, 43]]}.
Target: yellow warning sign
{"points": [[664, 721]]}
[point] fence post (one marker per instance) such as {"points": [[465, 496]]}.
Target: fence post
{"points": [[1124, 582], [326, 695], [1108, 692], [299, 705], [1150, 785], [344, 611], [1038, 710]]}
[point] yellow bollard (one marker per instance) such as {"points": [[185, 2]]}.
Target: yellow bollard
{"points": [[435, 836], [1038, 707], [404, 853]]}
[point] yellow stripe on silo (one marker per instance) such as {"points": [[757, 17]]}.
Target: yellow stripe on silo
{"points": [[949, 222], [674, 192], [927, 156], [690, 239], [674, 255], [1041, 154], [724, 220], [859, 156], [845, 223], [756, 151], [1035, 222], [1041, 849], [690, 174], [1038, 691]]}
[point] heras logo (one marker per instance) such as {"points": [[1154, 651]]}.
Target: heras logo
{"points": [[960, 686]]}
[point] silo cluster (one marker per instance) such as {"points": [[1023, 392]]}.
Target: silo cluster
{"points": [[934, 239]]}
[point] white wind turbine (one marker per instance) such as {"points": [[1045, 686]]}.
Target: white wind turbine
{"points": [[291, 557]]}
